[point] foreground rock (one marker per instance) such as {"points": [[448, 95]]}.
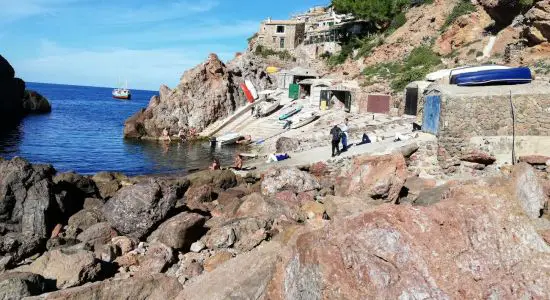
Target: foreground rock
{"points": [[538, 21], [288, 179], [157, 286], [135, 210], [377, 177], [205, 94], [18, 285], [67, 268], [179, 232], [34, 103]]}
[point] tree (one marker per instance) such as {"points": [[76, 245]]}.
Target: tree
{"points": [[379, 12]]}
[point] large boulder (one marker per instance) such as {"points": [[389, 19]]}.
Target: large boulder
{"points": [[66, 267], [28, 207], [136, 210], [72, 189], [6, 70], [377, 177], [180, 231], [11, 93], [474, 244], [528, 190], [157, 286], [17, 285], [205, 94], [288, 179], [35, 103], [503, 11], [86, 218], [286, 144], [537, 18], [218, 180]]}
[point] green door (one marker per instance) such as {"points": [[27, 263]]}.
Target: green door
{"points": [[294, 91]]}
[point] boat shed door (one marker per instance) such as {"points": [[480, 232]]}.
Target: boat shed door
{"points": [[411, 101], [432, 110]]}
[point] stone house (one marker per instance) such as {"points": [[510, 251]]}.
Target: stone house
{"points": [[281, 34], [489, 117]]}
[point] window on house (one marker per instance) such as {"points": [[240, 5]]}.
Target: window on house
{"points": [[280, 29], [282, 43]]}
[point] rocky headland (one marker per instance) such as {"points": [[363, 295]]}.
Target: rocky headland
{"points": [[15, 100], [205, 94], [363, 227]]}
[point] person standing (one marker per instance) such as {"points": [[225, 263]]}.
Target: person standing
{"points": [[336, 133], [344, 127]]}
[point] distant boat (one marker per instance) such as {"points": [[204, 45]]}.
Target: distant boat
{"points": [[501, 77], [122, 93]]}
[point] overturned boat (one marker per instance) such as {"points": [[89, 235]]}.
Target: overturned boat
{"points": [[293, 109], [226, 139], [494, 77]]}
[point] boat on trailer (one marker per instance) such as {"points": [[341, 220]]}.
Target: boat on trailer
{"points": [[495, 77]]}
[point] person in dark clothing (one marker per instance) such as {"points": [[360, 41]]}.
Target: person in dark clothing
{"points": [[336, 134], [365, 139]]}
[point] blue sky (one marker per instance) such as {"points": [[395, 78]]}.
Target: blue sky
{"points": [[95, 42]]}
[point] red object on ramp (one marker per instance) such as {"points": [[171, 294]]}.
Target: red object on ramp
{"points": [[247, 93]]}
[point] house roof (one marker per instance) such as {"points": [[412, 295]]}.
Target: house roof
{"points": [[283, 22], [299, 71], [533, 88]]}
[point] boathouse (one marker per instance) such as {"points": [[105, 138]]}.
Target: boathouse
{"points": [[488, 116]]}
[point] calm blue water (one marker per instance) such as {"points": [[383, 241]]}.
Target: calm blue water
{"points": [[84, 134]]}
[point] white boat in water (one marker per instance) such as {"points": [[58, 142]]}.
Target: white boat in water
{"points": [[303, 120], [122, 93], [228, 139]]}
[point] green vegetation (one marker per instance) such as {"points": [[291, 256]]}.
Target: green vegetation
{"points": [[479, 53], [378, 12], [364, 46], [416, 66], [265, 52], [398, 21], [471, 51], [542, 67], [255, 35], [464, 7]]}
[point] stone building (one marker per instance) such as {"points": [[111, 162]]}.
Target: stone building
{"points": [[281, 34], [489, 117]]}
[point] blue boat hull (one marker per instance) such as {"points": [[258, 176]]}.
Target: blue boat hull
{"points": [[494, 77]]}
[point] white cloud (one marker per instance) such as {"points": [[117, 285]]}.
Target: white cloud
{"points": [[144, 69]]}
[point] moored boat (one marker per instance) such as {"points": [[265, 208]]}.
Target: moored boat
{"points": [[269, 107], [228, 139], [122, 93], [493, 77]]}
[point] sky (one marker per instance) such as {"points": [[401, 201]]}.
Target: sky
{"points": [[147, 43]]}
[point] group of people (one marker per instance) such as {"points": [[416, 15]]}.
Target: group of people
{"points": [[339, 133], [183, 134]]}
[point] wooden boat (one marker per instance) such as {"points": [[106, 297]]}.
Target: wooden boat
{"points": [[492, 77], [251, 88], [122, 93], [293, 109], [247, 93], [228, 139], [269, 107], [303, 120]]}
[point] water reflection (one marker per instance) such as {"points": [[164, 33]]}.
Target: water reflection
{"points": [[180, 156], [11, 135]]}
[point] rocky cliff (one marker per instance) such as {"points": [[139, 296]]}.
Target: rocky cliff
{"points": [[15, 101], [205, 94]]}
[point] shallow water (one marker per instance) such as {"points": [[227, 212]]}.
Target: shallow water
{"points": [[84, 134]]}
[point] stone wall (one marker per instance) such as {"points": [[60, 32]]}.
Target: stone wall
{"points": [[464, 117]]}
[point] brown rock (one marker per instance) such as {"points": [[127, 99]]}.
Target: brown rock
{"points": [[197, 195], [478, 156], [156, 286], [379, 177], [157, 258], [342, 207], [534, 159], [528, 190], [217, 259], [288, 179], [180, 231], [85, 218], [98, 234], [314, 210], [415, 185], [545, 236]]}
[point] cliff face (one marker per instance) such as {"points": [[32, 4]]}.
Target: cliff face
{"points": [[15, 102], [206, 93]]}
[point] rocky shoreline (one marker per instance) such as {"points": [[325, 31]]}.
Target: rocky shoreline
{"points": [[282, 234]]}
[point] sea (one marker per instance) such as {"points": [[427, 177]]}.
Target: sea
{"points": [[84, 134]]}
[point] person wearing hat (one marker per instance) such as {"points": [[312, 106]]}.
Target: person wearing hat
{"points": [[336, 134]]}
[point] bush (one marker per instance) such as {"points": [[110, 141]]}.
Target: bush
{"points": [[379, 12], [416, 66], [464, 7], [265, 52], [398, 21]]}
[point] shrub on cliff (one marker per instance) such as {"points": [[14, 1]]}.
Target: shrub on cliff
{"points": [[464, 7], [379, 12]]}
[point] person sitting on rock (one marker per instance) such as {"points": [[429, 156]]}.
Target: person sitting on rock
{"points": [[165, 135], [215, 165], [238, 165]]}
